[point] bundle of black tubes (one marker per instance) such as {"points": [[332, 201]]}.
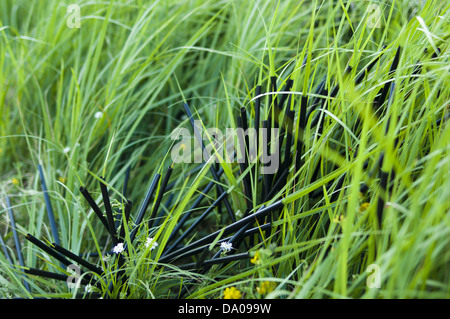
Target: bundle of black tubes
{"points": [[116, 234], [258, 216]]}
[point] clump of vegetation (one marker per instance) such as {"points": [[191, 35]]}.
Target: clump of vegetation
{"points": [[92, 194]]}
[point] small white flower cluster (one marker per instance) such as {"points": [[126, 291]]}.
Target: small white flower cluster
{"points": [[118, 248], [151, 243], [98, 115], [226, 246], [67, 149]]}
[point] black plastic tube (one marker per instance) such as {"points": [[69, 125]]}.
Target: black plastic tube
{"points": [[165, 207], [300, 132], [78, 259], [52, 275], [128, 206], [109, 212], [94, 206], [235, 241], [48, 205], [287, 161], [266, 140], [16, 238], [125, 182], [382, 93], [284, 96], [46, 274], [278, 185], [214, 261], [162, 189], [197, 222], [381, 197], [213, 171], [361, 76], [197, 202], [193, 249], [147, 199], [333, 94], [48, 250], [257, 115], [145, 205], [273, 83], [5, 251], [244, 165], [226, 230], [320, 90]]}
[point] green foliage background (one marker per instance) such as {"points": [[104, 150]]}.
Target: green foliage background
{"points": [[136, 62]]}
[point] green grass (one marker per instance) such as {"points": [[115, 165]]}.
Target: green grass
{"points": [[137, 62]]}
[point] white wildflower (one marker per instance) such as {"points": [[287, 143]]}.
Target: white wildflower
{"points": [[66, 150], [118, 248], [98, 115], [226, 246], [151, 243]]}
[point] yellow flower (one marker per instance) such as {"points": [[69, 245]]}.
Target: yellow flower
{"points": [[363, 207], [338, 219], [256, 259], [15, 181], [266, 287], [62, 179], [231, 293]]}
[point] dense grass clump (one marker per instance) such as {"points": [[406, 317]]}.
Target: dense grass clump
{"points": [[358, 207]]}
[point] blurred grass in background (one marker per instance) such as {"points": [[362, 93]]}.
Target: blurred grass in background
{"points": [[70, 95]]}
